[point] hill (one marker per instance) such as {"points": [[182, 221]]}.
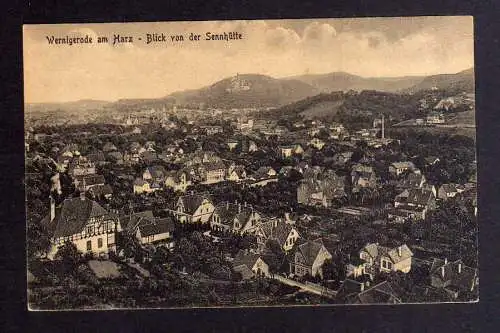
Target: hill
{"points": [[355, 108], [341, 81], [459, 82], [246, 90]]}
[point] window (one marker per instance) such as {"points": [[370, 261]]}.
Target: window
{"points": [[89, 230], [89, 245], [99, 242]]}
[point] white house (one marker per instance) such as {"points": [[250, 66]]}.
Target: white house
{"points": [[83, 222], [194, 208]]}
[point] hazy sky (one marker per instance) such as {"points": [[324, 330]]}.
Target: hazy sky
{"points": [[368, 47]]}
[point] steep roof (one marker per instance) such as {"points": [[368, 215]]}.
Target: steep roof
{"points": [[246, 273], [156, 226], [191, 202], [156, 171], [462, 280], [372, 249], [101, 190], [282, 231], [91, 180], [419, 196], [310, 251], [394, 253], [378, 294], [246, 258], [130, 222], [226, 212], [72, 216]]}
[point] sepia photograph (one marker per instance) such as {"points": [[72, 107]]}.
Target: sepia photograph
{"points": [[250, 163]]}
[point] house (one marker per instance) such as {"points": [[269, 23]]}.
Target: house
{"points": [[363, 176], [236, 173], [317, 143], [154, 173], [435, 118], [279, 231], [250, 265], [142, 186], [309, 259], [412, 180], [211, 130], [86, 182], [194, 208], [312, 191], [264, 172], [342, 158], [248, 146], [84, 222], [447, 191], [397, 168], [383, 259], [453, 276], [355, 268], [213, 172], [416, 198], [405, 213], [149, 229], [286, 151], [81, 166], [235, 218], [297, 149], [178, 180], [232, 144], [148, 157], [101, 190], [381, 293]]}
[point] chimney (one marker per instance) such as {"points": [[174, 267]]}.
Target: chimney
{"points": [[362, 287], [52, 208], [399, 251], [227, 205], [459, 267], [245, 204], [445, 261], [442, 272]]}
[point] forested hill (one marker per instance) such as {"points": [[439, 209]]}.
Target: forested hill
{"points": [[460, 82], [366, 103], [246, 90]]}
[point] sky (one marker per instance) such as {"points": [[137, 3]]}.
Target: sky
{"points": [[369, 47]]}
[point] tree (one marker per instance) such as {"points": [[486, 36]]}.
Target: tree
{"points": [[69, 257], [38, 241]]}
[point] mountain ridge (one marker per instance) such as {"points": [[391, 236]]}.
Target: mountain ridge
{"points": [[258, 90]]}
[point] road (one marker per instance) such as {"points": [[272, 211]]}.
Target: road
{"points": [[314, 289]]}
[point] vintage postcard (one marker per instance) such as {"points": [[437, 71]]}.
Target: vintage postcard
{"points": [[250, 163]]}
